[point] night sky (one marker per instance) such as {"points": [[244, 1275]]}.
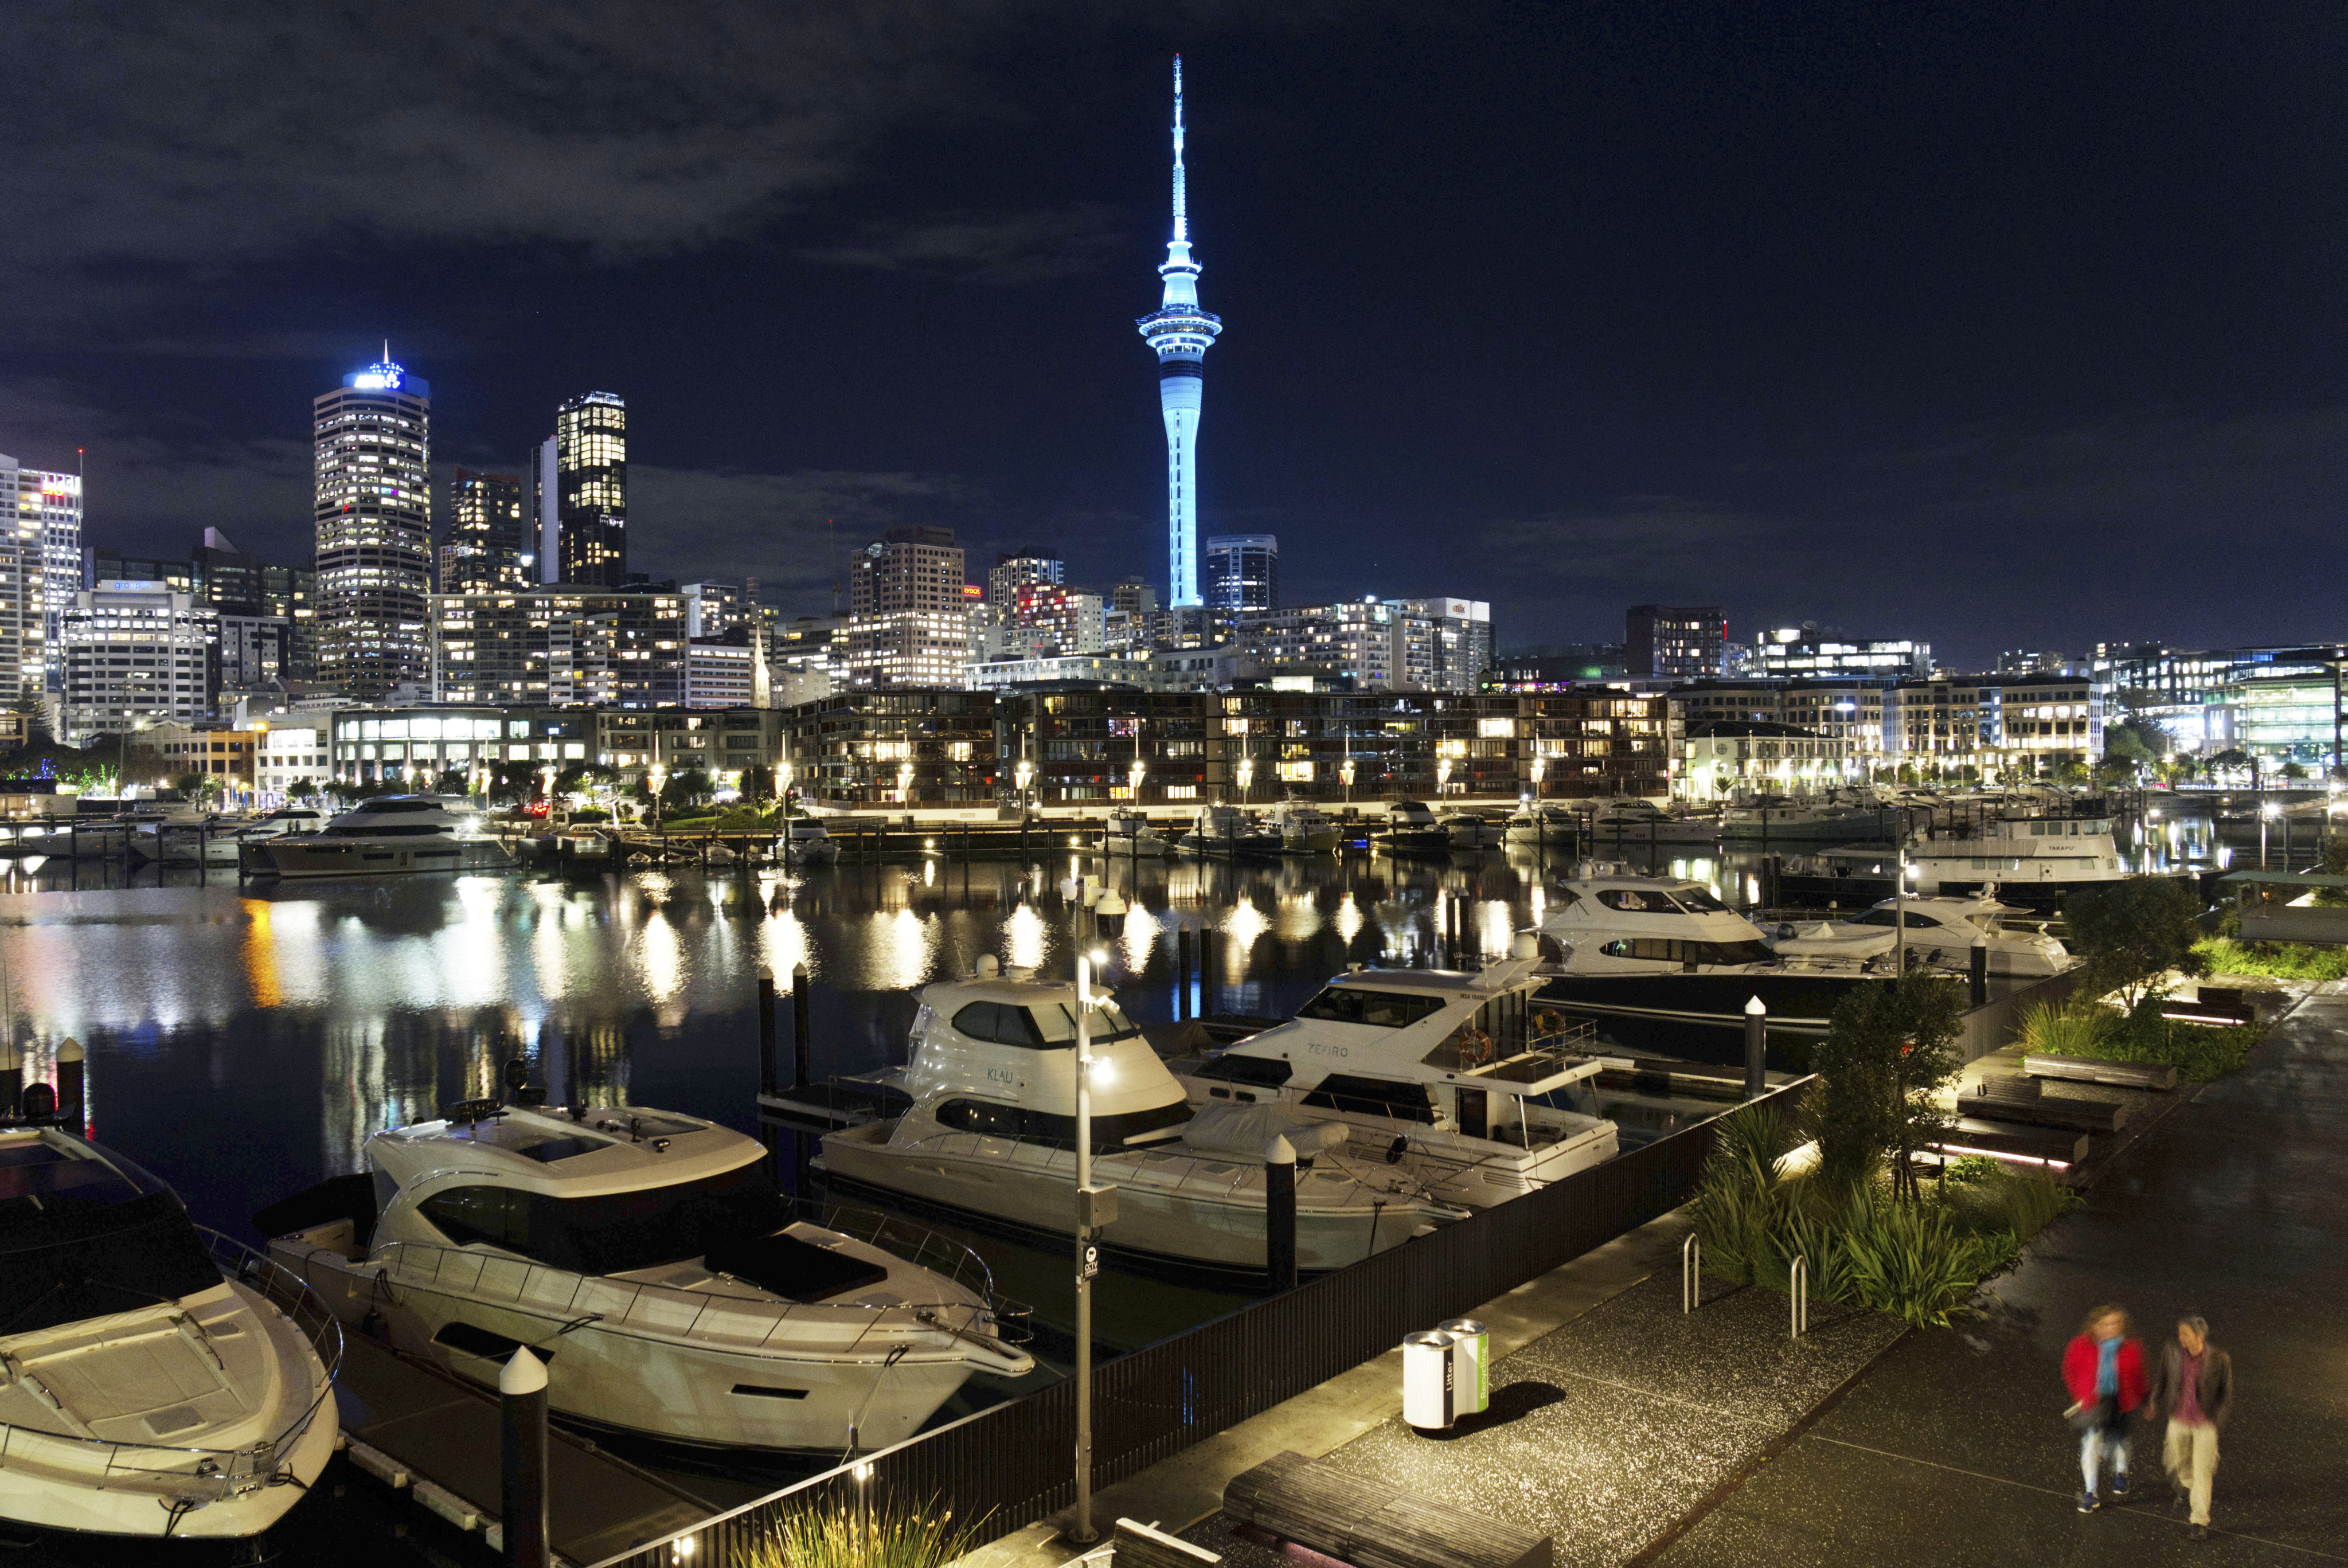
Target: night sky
{"points": [[1997, 326]]}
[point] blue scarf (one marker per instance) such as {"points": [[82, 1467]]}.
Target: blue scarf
{"points": [[2108, 1366]]}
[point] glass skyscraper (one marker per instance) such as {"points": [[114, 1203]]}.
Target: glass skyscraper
{"points": [[1243, 572], [590, 459], [373, 531]]}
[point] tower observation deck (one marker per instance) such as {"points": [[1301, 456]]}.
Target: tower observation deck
{"points": [[1181, 334]]}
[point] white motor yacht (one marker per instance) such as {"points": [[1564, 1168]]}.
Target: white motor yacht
{"points": [[1451, 1079], [1412, 828], [2034, 860], [1543, 824], [388, 835], [1304, 829], [1648, 956], [1636, 821], [283, 821], [1468, 830], [155, 1380], [807, 843], [1227, 830], [648, 1260], [1131, 833], [991, 1134], [1941, 932]]}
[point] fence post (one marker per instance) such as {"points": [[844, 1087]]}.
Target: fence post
{"points": [[1978, 972], [521, 1406], [802, 1046], [1280, 1214]]}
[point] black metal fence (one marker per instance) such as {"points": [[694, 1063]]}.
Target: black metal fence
{"points": [[1014, 1464]]}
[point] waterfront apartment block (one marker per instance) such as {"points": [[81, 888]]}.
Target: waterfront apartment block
{"points": [[416, 745], [135, 655], [211, 750], [720, 671], [1678, 641], [560, 645], [2035, 723], [1731, 758], [1797, 651]]}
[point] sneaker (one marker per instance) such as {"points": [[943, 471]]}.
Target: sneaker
{"points": [[2200, 1533], [2119, 1487], [2087, 1502]]}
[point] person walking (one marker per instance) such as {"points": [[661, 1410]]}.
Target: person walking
{"points": [[2104, 1370], [2194, 1391]]}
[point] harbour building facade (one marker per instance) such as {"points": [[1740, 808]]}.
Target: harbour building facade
{"points": [[374, 519]]}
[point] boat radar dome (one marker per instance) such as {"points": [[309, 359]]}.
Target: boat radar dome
{"points": [[1526, 946], [987, 966]]}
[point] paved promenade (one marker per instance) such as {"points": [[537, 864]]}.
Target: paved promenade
{"points": [[1637, 1436]]}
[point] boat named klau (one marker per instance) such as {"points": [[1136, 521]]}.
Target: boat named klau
{"points": [[647, 1258], [388, 835], [1461, 1082], [155, 1380], [990, 1133]]}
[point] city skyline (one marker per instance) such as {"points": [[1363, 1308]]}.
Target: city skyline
{"points": [[1617, 308]]}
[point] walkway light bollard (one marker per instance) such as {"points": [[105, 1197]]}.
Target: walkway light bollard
{"points": [[1279, 1215], [1096, 1207], [69, 1079], [802, 1043], [521, 1408], [1756, 1048], [767, 1084], [1977, 972]]}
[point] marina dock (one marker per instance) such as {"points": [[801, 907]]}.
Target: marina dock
{"points": [[419, 1431]]}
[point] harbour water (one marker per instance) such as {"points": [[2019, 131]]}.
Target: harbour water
{"points": [[243, 1041]]}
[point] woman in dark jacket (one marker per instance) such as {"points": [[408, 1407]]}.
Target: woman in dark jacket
{"points": [[2104, 1370]]}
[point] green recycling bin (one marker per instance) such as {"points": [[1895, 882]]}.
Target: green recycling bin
{"points": [[1475, 1353]]}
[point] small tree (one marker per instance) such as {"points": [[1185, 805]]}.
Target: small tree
{"points": [[758, 782], [301, 789], [1888, 1050], [2294, 770], [196, 787], [2130, 934], [452, 781]]}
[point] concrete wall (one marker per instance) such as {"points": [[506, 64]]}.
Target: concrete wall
{"points": [[1993, 1024]]}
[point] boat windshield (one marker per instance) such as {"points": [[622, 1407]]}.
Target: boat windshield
{"points": [[79, 1240], [1698, 901], [613, 1233], [1359, 1004]]}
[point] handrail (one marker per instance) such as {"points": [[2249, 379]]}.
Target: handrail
{"points": [[1799, 1294], [1691, 1275], [225, 1471]]}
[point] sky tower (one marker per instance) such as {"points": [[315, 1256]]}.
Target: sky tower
{"points": [[1182, 334]]}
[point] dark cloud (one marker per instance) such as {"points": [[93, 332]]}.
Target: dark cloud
{"points": [[1029, 248]]}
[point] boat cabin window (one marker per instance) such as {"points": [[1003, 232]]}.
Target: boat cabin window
{"points": [[612, 1232], [1698, 901], [1670, 950], [1916, 921], [1372, 1097], [1028, 1124], [1259, 1072], [1637, 901], [1495, 1032], [1040, 1029], [1356, 1005]]}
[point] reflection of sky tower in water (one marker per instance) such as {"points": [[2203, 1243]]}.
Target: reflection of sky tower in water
{"points": [[1182, 334]]}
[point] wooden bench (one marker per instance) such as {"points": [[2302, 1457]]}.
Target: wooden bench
{"points": [[2045, 1110], [1372, 1525], [1143, 1547], [1971, 1134], [2095, 1070]]}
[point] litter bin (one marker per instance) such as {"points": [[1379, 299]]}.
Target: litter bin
{"points": [[1429, 1375], [1474, 1356]]}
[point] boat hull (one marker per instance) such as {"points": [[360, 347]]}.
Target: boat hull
{"points": [[1194, 1227], [308, 856]]}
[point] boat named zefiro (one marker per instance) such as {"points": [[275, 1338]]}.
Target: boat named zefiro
{"points": [[388, 835], [1648, 956], [155, 1380], [991, 1134], [649, 1261], [1451, 1079]]}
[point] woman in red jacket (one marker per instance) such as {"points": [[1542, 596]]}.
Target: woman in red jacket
{"points": [[2104, 1370]]}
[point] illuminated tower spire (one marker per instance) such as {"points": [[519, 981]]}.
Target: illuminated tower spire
{"points": [[1181, 334]]}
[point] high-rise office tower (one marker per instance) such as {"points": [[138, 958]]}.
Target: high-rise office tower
{"points": [[484, 548], [1243, 572], [590, 447], [1181, 334], [40, 573], [374, 531], [1015, 572], [545, 514], [907, 620]]}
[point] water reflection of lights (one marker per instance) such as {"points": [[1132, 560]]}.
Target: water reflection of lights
{"points": [[1494, 929], [1242, 925], [1348, 919], [660, 958], [1138, 939], [1025, 938]]}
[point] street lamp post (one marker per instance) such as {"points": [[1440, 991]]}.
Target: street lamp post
{"points": [[904, 783], [1096, 1207], [1541, 770], [1345, 775], [1024, 773], [657, 777], [1247, 777]]}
